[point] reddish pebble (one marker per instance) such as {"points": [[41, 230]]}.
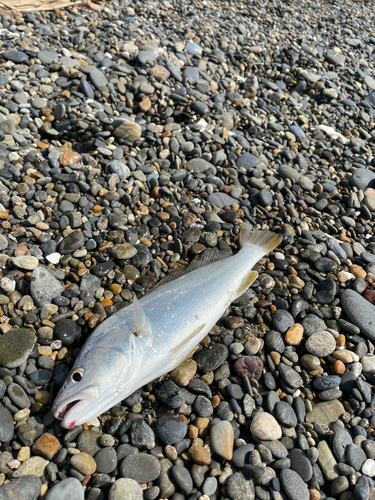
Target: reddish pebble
{"points": [[251, 366], [19, 251], [370, 296], [339, 367]]}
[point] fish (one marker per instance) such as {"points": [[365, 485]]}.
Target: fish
{"points": [[155, 334]]}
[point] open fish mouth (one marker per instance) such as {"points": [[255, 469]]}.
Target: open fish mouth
{"points": [[64, 410]]}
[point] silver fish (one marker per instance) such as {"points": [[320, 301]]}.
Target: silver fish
{"points": [[155, 334]]}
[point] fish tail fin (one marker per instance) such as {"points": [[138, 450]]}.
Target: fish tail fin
{"points": [[266, 241]]}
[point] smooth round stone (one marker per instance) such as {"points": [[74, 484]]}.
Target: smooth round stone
{"points": [[368, 467], [239, 487], [106, 460], [26, 262], [6, 425], [339, 485], [282, 320], [361, 489], [27, 488], [203, 406], [251, 366], [84, 463], [66, 489], [125, 489], [326, 383], [291, 377], [170, 429], [300, 464], [16, 346], [293, 485], [182, 478], [44, 287], [123, 251], [360, 312], [211, 358], [265, 427], [355, 456], [275, 341], [320, 344], [67, 330], [310, 362], [72, 242], [312, 324], [222, 438], [128, 131], [253, 346], [285, 414], [18, 396], [142, 468], [209, 486]]}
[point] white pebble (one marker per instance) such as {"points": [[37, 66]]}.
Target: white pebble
{"points": [[368, 467], [54, 258], [279, 256]]}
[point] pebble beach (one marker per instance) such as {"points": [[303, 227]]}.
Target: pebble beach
{"points": [[134, 138]]}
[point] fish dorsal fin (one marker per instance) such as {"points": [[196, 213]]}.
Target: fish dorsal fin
{"points": [[203, 259], [142, 325]]}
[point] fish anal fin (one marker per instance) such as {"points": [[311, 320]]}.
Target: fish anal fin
{"points": [[203, 259], [246, 283], [142, 325], [178, 348]]}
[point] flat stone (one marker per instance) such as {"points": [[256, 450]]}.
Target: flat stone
{"points": [[24, 488], [285, 414], [360, 312], [26, 262], [290, 376], [6, 425], [129, 131], [327, 461], [293, 485], [66, 489], [239, 487], [123, 251], [340, 442], [251, 366], [300, 464], [170, 428], [16, 346], [125, 489], [326, 412], [33, 466], [320, 344], [44, 287], [184, 373], [72, 242], [142, 468]]}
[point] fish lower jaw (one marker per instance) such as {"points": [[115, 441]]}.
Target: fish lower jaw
{"points": [[64, 410]]}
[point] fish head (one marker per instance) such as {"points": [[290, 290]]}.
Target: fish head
{"points": [[101, 377]]}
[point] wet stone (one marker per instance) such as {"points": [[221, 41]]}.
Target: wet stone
{"points": [[169, 394], [170, 429], [211, 358]]}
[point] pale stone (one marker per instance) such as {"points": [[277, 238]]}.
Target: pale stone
{"points": [[327, 461], [26, 262], [33, 466], [222, 439], [265, 427], [368, 467], [346, 356], [326, 412], [368, 364]]}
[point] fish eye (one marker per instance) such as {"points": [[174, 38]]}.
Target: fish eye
{"points": [[76, 375]]}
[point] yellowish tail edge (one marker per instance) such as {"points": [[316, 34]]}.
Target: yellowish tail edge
{"points": [[266, 240]]}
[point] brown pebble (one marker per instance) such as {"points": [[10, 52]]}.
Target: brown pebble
{"points": [[200, 455], [192, 432], [46, 446], [69, 158], [233, 322], [201, 423], [358, 271], [294, 335], [339, 367]]}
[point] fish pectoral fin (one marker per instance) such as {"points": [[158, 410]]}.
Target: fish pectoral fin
{"points": [[246, 283], [142, 325], [178, 348]]}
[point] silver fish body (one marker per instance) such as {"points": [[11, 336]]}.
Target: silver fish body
{"points": [[152, 336]]}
